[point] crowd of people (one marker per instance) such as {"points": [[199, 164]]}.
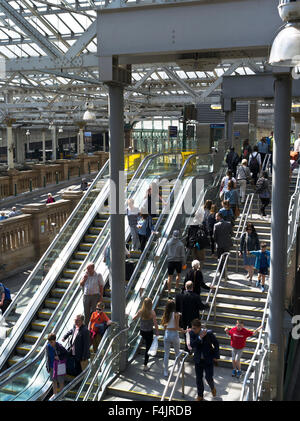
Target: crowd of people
{"points": [[183, 312]]}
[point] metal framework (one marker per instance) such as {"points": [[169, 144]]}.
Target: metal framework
{"points": [[50, 68]]}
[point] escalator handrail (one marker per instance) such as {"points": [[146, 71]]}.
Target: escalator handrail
{"points": [[52, 245], [62, 230], [164, 211], [153, 285], [53, 315], [28, 356], [75, 279]]}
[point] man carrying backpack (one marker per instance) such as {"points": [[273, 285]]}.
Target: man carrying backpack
{"points": [[5, 298], [197, 240], [255, 164]]}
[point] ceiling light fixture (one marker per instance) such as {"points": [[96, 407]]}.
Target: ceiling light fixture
{"points": [[285, 50]]}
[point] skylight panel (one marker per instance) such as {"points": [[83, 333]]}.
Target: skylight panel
{"points": [[201, 75], [192, 75], [7, 52], [181, 74], [163, 75]]}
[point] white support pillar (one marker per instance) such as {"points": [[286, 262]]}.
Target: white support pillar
{"points": [[80, 139], [54, 142], [10, 144], [43, 146]]}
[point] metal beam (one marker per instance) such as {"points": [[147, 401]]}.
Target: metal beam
{"points": [[180, 82], [82, 42], [258, 86], [28, 29], [219, 81], [208, 31]]}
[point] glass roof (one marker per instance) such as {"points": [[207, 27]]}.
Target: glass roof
{"points": [[33, 30]]}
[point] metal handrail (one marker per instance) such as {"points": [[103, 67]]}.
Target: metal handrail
{"points": [[257, 349], [134, 337], [182, 355], [153, 287], [54, 242], [255, 386], [242, 225], [70, 287], [216, 281], [158, 223], [266, 163], [6, 374]]}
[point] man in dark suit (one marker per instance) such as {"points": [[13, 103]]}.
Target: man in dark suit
{"points": [[80, 342], [189, 304], [222, 236], [206, 351]]}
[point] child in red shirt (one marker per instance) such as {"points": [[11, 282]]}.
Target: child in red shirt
{"points": [[98, 324], [239, 336]]}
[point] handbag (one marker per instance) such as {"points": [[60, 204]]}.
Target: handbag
{"points": [[59, 368], [153, 349]]}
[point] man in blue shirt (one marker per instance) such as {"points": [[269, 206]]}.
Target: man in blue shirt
{"points": [[263, 149]]}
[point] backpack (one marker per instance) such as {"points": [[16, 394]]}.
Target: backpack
{"points": [[197, 238], [260, 186], [254, 165], [6, 292]]}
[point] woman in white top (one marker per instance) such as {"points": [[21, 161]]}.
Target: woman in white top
{"points": [[170, 322], [224, 183], [243, 175]]}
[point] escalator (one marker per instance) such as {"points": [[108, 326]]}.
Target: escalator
{"points": [[36, 329], [54, 272], [147, 275]]}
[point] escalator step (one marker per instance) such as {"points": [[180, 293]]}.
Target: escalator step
{"points": [[45, 313], [38, 324], [85, 246], [52, 302], [63, 283], [31, 336], [80, 255]]}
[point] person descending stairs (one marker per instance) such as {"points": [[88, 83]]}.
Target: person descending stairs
{"points": [[236, 300]]}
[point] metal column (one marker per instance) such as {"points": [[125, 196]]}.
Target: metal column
{"points": [[43, 146], [229, 127], [280, 204], [53, 133], [10, 146], [81, 141], [117, 200]]}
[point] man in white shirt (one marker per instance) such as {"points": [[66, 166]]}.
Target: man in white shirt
{"points": [[92, 284], [297, 144]]}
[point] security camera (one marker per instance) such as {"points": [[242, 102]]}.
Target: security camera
{"points": [[289, 10]]}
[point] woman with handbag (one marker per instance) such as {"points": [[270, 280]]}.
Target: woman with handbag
{"points": [[56, 356], [148, 319], [98, 325]]}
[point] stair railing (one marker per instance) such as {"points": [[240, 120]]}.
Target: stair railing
{"points": [[253, 384], [266, 162], [179, 362], [153, 289], [242, 225], [221, 272]]}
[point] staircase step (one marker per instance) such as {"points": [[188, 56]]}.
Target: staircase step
{"points": [[134, 395]]}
